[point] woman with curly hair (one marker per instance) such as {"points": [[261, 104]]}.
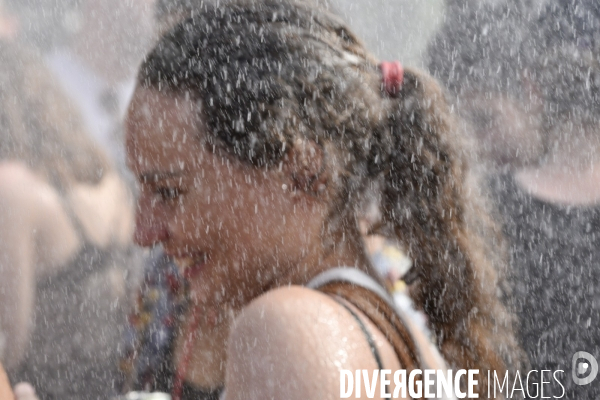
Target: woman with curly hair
{"points": [[255, 132]]}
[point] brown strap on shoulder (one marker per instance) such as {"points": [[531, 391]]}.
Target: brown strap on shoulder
{"points": [[382, 316], [412, 347]]}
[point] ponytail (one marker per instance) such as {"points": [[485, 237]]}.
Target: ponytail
{"points": [[424, 201]]}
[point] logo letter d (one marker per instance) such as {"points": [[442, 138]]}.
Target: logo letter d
{"points": [[576, 370]]}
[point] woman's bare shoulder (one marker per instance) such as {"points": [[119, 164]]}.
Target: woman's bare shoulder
{"points": [[294, 302], [292, 342]]}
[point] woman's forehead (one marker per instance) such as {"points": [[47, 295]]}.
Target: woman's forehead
{"points": [[149, 106], [162, 130]]}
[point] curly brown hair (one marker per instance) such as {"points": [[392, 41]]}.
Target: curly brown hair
{"points": [[268, 73]]}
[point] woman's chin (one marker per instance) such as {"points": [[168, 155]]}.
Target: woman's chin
{"points": [[194, 271], [205, 282], [190, 267]]}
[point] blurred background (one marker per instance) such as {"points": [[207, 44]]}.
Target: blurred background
{"points": [[394, 30], [398, 29]]}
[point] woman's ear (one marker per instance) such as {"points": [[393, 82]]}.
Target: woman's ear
{"points": [[304, 164]]}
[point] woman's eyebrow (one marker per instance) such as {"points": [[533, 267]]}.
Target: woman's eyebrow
{"points": [[155, 176]]}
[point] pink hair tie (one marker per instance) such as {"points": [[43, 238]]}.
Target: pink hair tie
{"points": [[393, 77]]}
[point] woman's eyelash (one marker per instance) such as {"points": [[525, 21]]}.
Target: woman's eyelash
{"points": [[168, 194]]}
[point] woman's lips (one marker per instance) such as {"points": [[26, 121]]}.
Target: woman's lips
{"points": [[189, 267]]}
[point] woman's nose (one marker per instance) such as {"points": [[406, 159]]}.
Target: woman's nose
{"points": [[150, 223]]}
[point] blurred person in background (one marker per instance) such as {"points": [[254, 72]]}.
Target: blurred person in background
{"points": [[477, 55], [65, 249], [526, 76], [93, 48]]}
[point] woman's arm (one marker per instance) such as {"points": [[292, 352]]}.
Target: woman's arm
{"points": [[105, 210], [5, 391], [293, 342], [36, 239]]}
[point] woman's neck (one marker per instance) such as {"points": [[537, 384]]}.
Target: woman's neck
{"points": [[346, 249], [206, 367]]}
